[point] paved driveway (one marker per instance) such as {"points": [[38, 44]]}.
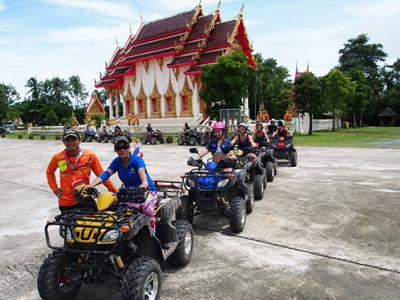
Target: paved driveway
{"points": [[328, 229]]}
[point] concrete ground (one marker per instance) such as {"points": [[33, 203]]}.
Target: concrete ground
{"points": [[327, 229]]}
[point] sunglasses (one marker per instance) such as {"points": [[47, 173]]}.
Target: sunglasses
{"points": [[121, 147]]}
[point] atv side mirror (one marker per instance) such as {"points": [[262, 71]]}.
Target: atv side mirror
{"points": [[194, 150]]}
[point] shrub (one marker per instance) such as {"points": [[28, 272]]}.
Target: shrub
{"points": [[3, 135], [57, 137], [20, 136], [30, 136], [169, 139], [42, 137]]}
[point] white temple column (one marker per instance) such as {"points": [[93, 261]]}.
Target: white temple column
{"points": [[111, 112], [117, 105], [246, 109], [123, 106]]}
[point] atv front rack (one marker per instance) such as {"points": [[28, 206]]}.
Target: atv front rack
{"points": [[168, 189], [68, 221], [195, 174]]}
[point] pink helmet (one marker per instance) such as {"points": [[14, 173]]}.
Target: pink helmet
{"points": [[219, 125]]}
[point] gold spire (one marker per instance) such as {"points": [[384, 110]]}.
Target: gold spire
{"points": [[241, 9], [130, 28], [218, 6], [116, 41]]}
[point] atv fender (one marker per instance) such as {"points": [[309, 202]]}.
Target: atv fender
{"points": [[148, 245]]}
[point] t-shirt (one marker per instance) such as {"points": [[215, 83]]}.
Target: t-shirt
{"points": [[129, 175], [73, 172], [224, 148]]}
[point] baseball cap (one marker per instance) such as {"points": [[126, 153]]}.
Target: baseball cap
{"points": [[71, 132], [122, 139]]}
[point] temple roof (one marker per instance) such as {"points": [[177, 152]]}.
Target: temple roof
{"points": [[188, 37], [164, 26]]}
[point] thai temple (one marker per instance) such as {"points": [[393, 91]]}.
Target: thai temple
{"points": [[156, 74]]}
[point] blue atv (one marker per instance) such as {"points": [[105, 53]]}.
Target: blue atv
{"points": [[216, 187]]}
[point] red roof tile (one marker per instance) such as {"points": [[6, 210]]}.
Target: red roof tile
{"points": [[164, 26], [220, 33], [200, 26], [154, 45], [163, 52], [209, 57], [181, 60]]}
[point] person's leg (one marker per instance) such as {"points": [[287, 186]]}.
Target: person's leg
{"points": [[149, 209]]}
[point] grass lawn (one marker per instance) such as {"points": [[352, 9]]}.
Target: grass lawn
{"points": [[366, 137]]}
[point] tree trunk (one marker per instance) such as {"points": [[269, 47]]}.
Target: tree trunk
{"points": [[361, 119], [310, 126], [354, 120], [334, 121]]}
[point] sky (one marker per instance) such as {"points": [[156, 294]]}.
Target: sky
{"points": [[49, 38]]}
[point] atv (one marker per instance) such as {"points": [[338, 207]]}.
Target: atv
{"points": [[217, 187], [256, 172], [152, 137], [284, 149], [104, 136], [112, 245], [90, 135], [191, 137], [266, 153]]}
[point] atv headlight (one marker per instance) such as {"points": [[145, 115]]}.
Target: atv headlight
{"points": [[222, 183], [111, 235], [190, 182]]}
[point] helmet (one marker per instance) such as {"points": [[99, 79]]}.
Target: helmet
{"points": [[242, 125], [219, 125], [273, 120], [280, 123], [259, 123]]}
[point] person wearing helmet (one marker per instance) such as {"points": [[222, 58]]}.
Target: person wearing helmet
{"points": [[282, 131], [219, 145], [132, 172], [260, 136], [243, 139], [149, 129], [272, 127]]}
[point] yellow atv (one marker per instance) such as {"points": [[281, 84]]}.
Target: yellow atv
{"points": [[113, 245]]}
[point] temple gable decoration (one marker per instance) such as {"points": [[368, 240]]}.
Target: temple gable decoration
{"points": [[141, 100], [155, 101], [170, 100], [186, 99]]}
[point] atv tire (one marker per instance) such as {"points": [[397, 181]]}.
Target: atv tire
{"points": [[142, 280], [293, 159], [258, 184], [237, 218], [143, 140], [270, 171], [191, 141], [180, 142], [50, 274], [153, 140], [183, 252], [185, 211], [250, 198], [161, 140]]}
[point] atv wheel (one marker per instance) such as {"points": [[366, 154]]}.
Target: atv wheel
{"points": [[293, 159], [183, 252], [142, 280], [250, 198], [153, 140], [57, 280], [191, 141], [185, 210], [237, 218], [143, 140], [258, 184], [161, 139], [203, 140], [89, 139], [99, 139], [276, 168], [180, 142], [270, 171]]}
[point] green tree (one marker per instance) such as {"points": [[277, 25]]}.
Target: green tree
{"points": [[225, 83], [391, 97], [281, 103], [8, 95], [308, 95], [356, 104], [77, 90], [337, 88], [51, 118], [358, 53], [35, 88]]}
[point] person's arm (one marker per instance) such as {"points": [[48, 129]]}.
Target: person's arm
{"points": [[203, 152], [143, 178], [275, 133], [251, 141], [103, 176], [266, 136], [234, 140], [51, 177]]}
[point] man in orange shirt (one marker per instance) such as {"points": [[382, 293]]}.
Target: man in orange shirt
{"points": [[75, 166]]}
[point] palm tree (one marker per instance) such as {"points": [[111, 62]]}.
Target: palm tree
{"points": [[35, 88]]}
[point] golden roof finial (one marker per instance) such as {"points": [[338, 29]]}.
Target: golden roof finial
{"points": [[241, 9], [141, 17], [116, 41], [218, 6], [130, 28]]}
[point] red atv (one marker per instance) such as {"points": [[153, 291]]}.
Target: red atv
{"points": [[284, 149]]}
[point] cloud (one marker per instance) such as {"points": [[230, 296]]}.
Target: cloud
{"points": [[100, 7], [2, 6], [376, 9]]}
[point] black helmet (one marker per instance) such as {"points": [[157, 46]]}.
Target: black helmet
{"points": [[280, 123]]}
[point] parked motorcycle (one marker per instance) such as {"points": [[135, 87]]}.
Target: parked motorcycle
{"points": [[90, 135]]}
